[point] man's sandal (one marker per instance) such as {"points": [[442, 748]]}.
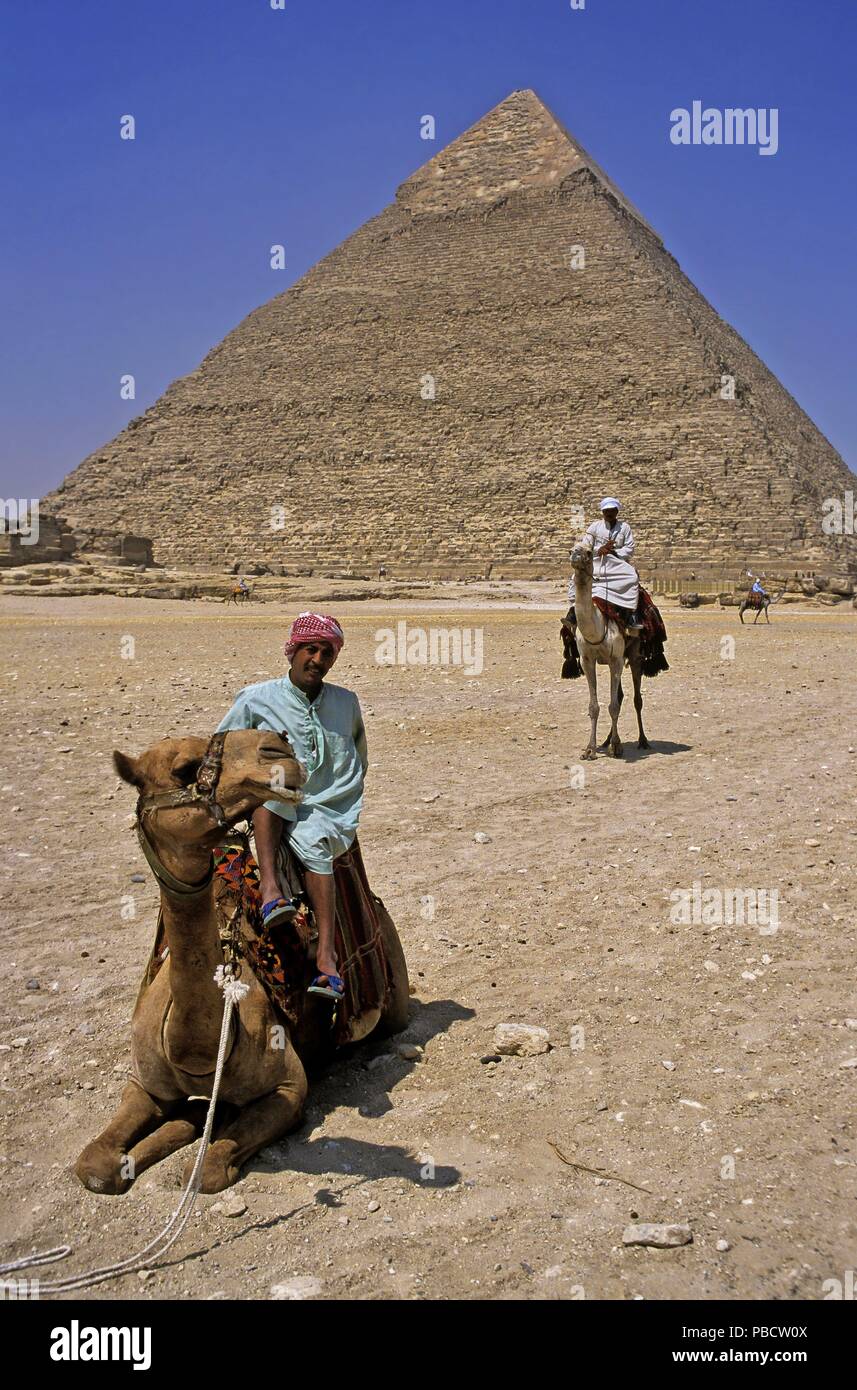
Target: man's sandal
{"points": [[279, 910], [333, 988]]}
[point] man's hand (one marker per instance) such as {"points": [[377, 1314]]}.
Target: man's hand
{"points": [[606, 549]]}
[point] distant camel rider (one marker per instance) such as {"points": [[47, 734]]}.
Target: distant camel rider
{"points": [[614, 578], [243, 585], [758, 587]]}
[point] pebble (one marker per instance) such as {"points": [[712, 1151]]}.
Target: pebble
{"points": [[33, 984], [812, 844], [230, 1206], [852, 1062], [20, 1042], [723, 1246], [490, 1057], [520, 1040], [851, 1023], [374, 1206], [670, 1066], [410, 1052], [481, 838], [138, 878], [711, 966], [661, 1237], [296, 1290]]}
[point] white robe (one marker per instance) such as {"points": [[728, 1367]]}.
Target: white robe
{"points": [[614, 578]]}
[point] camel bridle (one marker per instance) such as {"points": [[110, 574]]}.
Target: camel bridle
{"points": [[202, 793]]}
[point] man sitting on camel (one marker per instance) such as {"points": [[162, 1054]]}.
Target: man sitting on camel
{"points": [[324, 725], [614, 578]]}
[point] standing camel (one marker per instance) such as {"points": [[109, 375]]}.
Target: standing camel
{"points": [[190, 790], [763, 607], [602, 642]]}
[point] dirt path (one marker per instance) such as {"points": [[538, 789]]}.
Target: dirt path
{"points": [[682, 1053]]}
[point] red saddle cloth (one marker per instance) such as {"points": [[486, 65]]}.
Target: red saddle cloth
{"points": [[649, 616], [754, 599], [282, 956]]}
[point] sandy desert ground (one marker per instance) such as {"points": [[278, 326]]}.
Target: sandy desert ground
{"points": [[712, 1066]]}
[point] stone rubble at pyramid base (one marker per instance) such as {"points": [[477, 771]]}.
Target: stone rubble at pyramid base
{"points": [[216, 586]]}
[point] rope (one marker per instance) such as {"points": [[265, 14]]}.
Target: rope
{"points": [[233, 993]]}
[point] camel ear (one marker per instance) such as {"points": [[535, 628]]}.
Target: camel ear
{"points": [[127, 769]]}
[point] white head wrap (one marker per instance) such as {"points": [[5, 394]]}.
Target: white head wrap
{"points": [[608, 502]]}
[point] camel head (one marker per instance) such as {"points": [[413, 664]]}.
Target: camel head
{"points": [[581, 555], [257, 766]]}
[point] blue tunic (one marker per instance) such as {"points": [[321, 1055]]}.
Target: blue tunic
{"points": [[328, 737]]}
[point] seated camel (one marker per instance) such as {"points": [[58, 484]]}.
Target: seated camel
{"points": [[190, 790]]}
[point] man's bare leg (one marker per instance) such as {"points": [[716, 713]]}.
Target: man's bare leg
{"points": [[268, 830], [322, 895]]}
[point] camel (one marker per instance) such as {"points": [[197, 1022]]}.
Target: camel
{"points": [[767, 600], [601, 641], [191, 789], [239, 595]]}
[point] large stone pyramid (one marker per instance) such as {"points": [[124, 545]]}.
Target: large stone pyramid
{"points": [[502, 345]]}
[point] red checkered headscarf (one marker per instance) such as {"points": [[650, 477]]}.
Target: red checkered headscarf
{"points": [[315, 627]]}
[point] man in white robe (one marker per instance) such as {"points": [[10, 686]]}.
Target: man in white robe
{"points": [[614, 578]]}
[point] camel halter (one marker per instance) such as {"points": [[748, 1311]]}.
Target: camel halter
{"points": [[202, 793]]}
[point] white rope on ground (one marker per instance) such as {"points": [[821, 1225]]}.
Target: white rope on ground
{"points": [[233, 993]]}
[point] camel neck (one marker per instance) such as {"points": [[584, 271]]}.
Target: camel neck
{"points": [[590, 622]]}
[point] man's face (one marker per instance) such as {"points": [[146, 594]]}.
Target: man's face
{"points": [[610, 514], [310, 664]]}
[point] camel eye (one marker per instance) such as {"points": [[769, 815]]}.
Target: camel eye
{"points": [[185, 772]]}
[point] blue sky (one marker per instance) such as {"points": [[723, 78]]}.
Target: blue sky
{"points": [[257, 126]]}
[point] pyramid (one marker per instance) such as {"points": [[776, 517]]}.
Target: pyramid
{"points": [[466, 375]]}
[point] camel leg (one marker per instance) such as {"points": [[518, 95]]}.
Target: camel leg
{"points": [[589, 667], [258, 1124], [615, 706], [103, 1166], [637, 676], [606, 742], [175, 1134], [741, 614], [767, 619]]}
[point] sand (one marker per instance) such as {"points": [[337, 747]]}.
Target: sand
{"points": [[705, 1062]]}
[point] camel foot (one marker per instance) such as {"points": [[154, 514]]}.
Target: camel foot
{"points": [[616, 750], [644, 742], [588, 754], [100, 1169], [219, 1170]]}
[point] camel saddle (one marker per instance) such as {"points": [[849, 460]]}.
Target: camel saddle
{"points": [[282, 956]]}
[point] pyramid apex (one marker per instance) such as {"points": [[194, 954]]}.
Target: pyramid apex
{"points": [[518, 144]]}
